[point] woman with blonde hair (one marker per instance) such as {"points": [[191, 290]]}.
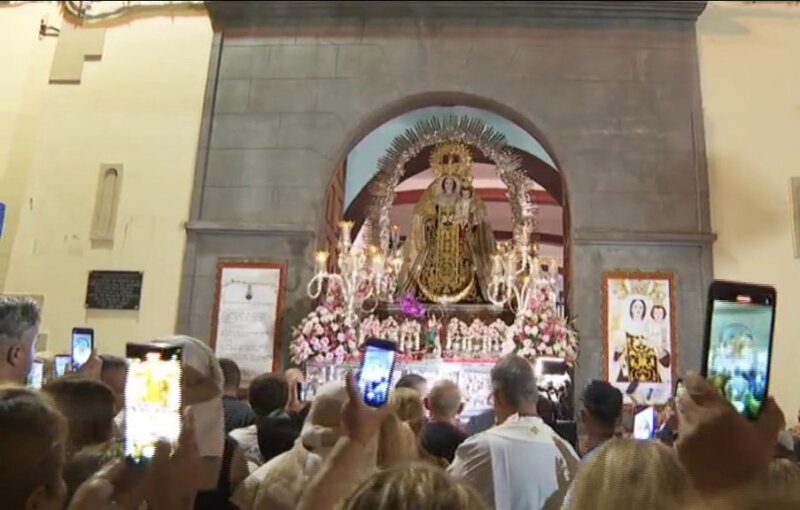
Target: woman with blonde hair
{"points": [[412, 487], [399, 436], [626, 473]]}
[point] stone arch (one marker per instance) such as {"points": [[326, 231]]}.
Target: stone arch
{"points": [[371, 121]]}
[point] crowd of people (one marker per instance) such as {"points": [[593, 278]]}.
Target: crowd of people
{"points": [[269, 450]]}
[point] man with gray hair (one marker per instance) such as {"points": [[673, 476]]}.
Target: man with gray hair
{"points": [[520, 464], [19, 327], [442, 433]]}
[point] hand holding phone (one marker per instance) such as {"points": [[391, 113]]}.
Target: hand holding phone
{"points": [[360, 421], [82, 346], [377, 369], [738, 343], [721, 449]]}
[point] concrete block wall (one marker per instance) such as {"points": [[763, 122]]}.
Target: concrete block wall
{"points": [[616, 98]]}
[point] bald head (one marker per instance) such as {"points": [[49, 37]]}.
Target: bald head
{"points": [[444, 400]]}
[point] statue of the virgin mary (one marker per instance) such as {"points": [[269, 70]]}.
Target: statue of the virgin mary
{"points": [[447, 257]]}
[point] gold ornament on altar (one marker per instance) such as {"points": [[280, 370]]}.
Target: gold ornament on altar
{"points": [[447, 257], [453, 159]]}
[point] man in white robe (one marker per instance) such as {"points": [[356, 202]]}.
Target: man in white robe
{"points": [[518, 464]]}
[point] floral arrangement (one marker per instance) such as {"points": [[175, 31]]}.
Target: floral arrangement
{"points": [[390, 329], [496, 334], [410, 331], [370, 327], [540, 332], [323, 336], [457, 334]]}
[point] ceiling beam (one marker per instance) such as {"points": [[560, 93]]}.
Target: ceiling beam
{"points": [[227, 13]]}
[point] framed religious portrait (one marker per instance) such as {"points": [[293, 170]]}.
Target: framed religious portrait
{"points": [[639, 330], [246, 322]]}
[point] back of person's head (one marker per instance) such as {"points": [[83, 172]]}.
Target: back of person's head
{"points": [[268, 393], [19, 327], [86, 462], [110, 362], [626, 473], [398, 442], [113, 371], [408, 407], [414, 382], [444, 400], [602, 403], [32, 435], [231, 374], [413, 487], [88, 406], [322, 427], [784, 480], [514, 382]]}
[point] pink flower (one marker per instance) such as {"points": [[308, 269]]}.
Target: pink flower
{"points": [[319, 358], [315, 343], [328, 357]]}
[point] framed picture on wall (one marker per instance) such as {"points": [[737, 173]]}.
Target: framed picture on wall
{"points": [[639, 344], [248, 306]]}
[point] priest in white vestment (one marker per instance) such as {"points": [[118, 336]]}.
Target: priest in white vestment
{"points": [[518, 464]]}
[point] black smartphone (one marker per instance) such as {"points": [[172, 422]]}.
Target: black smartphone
{"points": [[36, 375], [740, 320], [152, 398], [376, 371], [61, 364], [82, 346]]}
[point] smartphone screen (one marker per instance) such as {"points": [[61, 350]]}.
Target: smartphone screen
{"points": [[302, 391], [152, 398], [375, 374], [82, 346], [739, 329], [61, 364], [644, 423], [36, 375]]}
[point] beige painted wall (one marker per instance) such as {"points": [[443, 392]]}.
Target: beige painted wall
{"points": [[140, 106], [750, 72]]}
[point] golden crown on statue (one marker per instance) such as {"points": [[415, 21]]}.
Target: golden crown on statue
{"points": [[452, 159]]}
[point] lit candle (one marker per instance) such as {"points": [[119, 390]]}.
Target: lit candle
{"points": [[510, 262], [397, 264], [377, 264], [322, 259], [346, 228]]}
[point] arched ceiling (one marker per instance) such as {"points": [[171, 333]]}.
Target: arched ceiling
{"points": [[362, 162]]}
